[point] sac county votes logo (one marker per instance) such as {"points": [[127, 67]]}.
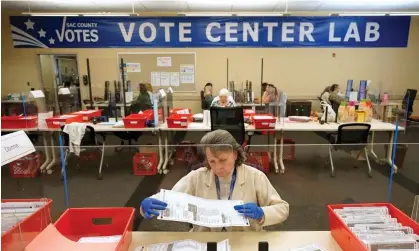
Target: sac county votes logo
{"points": [[32, 33]]}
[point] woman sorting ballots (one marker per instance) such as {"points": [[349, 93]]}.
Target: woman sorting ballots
{"points": [[227, 178]]}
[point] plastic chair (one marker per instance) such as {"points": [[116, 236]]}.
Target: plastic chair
{"points": [[350, 137], [230, 119], [89, 140]]}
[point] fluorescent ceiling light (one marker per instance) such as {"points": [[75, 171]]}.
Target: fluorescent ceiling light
{"points": [[404, 14], [205, 14], [362, 14], [36, 14], [261, 14]]}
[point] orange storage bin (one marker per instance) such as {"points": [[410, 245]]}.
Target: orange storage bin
{"points": [[179, 120], [18, 237], [76, 223], [344, 236], [145, 164], [87, 115], [17, 122], [136, 121], [58, 121], [175, 110], [264, 121]]}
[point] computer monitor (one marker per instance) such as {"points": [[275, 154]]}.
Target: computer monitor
{"points": [[349, 87], [362, 94]]}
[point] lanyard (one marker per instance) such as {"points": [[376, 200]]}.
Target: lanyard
{"points": [[233, 181]]}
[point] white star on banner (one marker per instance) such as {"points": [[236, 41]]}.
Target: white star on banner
{"points": [[51, 41], [29, 24], [42, 33]]}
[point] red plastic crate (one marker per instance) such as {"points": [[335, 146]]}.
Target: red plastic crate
{"points": [[26, 167], [145, 164], [17, 122], [76, 223], [136, 120], [18, 237], [259, 160], [179, 120], [58, 121], [87, 115], [264, 123], [344, 236], [175, 110], [288, 150], [247, 113]]}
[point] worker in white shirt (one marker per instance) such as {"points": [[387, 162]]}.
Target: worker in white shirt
{"points": [[224, 99], [226, 177]]}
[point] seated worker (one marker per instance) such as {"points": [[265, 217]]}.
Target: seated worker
{"points": [[270, 95], [334, 97], [325, 95], [226, 178], [143, 101], [208, 96], [149, 89], [224, 99]]}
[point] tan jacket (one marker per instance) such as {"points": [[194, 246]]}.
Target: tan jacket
{"points": [[251, 185]]}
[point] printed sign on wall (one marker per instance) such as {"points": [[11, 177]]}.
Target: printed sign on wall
{"points": [[110, 32]]}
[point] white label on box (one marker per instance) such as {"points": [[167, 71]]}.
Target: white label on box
{"points": [[272, 125], [176, 122], [14, 146], [264, 123], [133, 122], [56, 122]]}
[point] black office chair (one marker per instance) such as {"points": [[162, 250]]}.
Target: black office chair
{"points": [[89, 140], [408, 100], [350, 137], [230, 119]]}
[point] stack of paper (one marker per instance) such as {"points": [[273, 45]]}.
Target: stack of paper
{"points": [[198, 211], [13, 213], [375, 227], [185, 245]]}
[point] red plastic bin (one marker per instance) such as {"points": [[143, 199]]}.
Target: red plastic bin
{"points": [[259, 160], [136, 120], [87, 115], [150, 113], [145, 164], [76, 223], [179, 120], [17, 122], [344, 236], [175, 110], [58, 121], [18, 237], [261, 121], [26, 167]]}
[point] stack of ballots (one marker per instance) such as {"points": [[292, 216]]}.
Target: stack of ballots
{"points": [[13, 213], [375, 227], [189, 245]]}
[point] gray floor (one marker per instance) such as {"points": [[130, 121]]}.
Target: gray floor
{"points": [[306, 185]]}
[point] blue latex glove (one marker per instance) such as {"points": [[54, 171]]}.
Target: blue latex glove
{"points": [[250, 210], [150, 205]]}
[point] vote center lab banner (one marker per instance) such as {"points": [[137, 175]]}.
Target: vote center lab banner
{"points": [[134, 32]]}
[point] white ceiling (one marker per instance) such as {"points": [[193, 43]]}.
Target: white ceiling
{"points": [[211, 5]]}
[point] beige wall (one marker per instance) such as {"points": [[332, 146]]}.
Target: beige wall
{"points": [[47, 71], [301, 72]]}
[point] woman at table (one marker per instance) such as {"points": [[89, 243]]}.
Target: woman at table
{"points": [[270, 95], [334, 97], [208, 95], [226, 177], [224, 99], [143, 101]]}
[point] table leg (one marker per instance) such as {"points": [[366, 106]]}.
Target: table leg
{"points": [[166, 154], [281, 153], [275, 154], [161, 158], [269, 145], [47, 157], [372, 146], [390, 152], [54, 160]]}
